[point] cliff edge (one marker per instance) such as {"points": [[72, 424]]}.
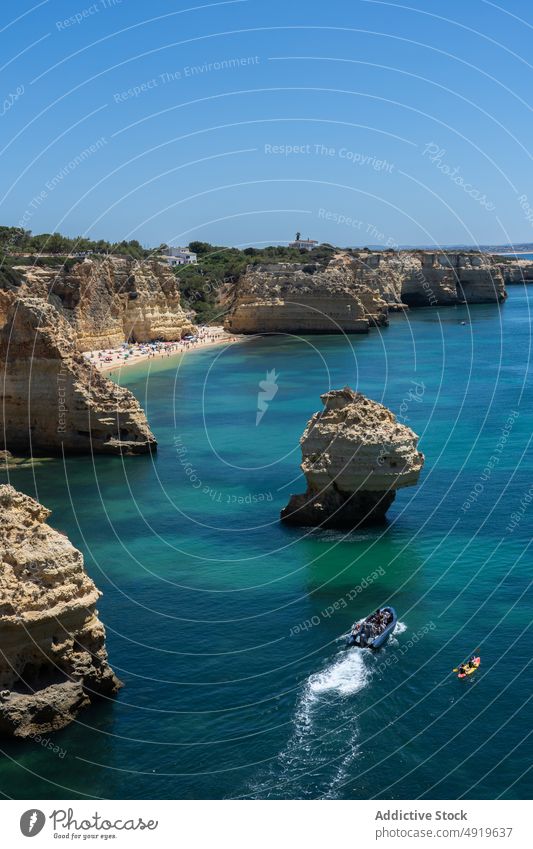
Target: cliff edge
{"points": [[52, 400], [430, 278], [110, 300], [302, 298], [355, 290], [53, 659]]}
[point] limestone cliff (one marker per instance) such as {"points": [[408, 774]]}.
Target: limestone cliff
{"points": [[355, 456], [53, 659], [52, 401], [357, 288], [111, 300], [382, 273], [298, 298], [515, 270], [426, 278]]}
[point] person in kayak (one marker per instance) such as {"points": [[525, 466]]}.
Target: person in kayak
{"points": [[469, 664]]}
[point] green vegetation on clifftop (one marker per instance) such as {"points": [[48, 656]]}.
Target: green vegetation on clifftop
{"points": [[203, 286]]}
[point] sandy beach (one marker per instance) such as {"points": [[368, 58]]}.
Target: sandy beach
{"points": [[129, 354]]}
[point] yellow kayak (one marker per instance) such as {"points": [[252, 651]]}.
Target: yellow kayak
{"points": [[469, 668]]}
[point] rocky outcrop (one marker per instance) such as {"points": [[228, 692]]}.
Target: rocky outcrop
{"points": [[357, 289], [110, 300], [52, 401], [515, 270], [53, 659], [355, 456], [10, 463], [303, 298], [382, 273], [425, 278]]}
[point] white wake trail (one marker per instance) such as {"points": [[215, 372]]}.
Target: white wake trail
{"points": [[324, 743], [345, 676]]}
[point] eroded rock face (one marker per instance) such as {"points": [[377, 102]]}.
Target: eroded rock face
{"points": [[53, 659], [355, 456], [112, 300], [424, 278], [515, 271], [356, 289], [52, 401], [306, 298], [383, 274]]}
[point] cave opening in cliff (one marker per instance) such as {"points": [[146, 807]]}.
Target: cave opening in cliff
{"points": [[415, 299], [38, 675]]}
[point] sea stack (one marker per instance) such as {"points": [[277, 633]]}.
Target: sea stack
{"points": [[355, 456], [53, 659], [52, 400]]}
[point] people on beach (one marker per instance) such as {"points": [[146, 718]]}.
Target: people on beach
{"points": [[136, 351]]}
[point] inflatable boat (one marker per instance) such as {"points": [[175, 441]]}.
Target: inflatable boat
{"points": [[374, 631]]}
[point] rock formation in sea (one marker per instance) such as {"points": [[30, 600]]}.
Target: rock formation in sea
{"points": [[515, 270], [52, 400], [303, 298], [357, 289], [53, 659], [108, 300], [355, 455], [426, 278], [11, 463]]}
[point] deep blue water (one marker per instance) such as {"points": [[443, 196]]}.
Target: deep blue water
{"points": [[228, 692]]}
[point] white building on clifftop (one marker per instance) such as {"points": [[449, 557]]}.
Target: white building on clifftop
{"points": [[181, 256], [303, 244]]}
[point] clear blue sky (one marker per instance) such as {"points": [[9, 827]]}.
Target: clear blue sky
{"points": [[407, 123]]}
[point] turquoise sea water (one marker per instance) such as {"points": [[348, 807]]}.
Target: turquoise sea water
{"points": [[222, 623]]}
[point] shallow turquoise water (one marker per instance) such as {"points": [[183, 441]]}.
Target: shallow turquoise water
{"points": [[220, 621]]}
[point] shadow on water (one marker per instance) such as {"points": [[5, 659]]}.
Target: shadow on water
{"points": [[66, 763]]}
